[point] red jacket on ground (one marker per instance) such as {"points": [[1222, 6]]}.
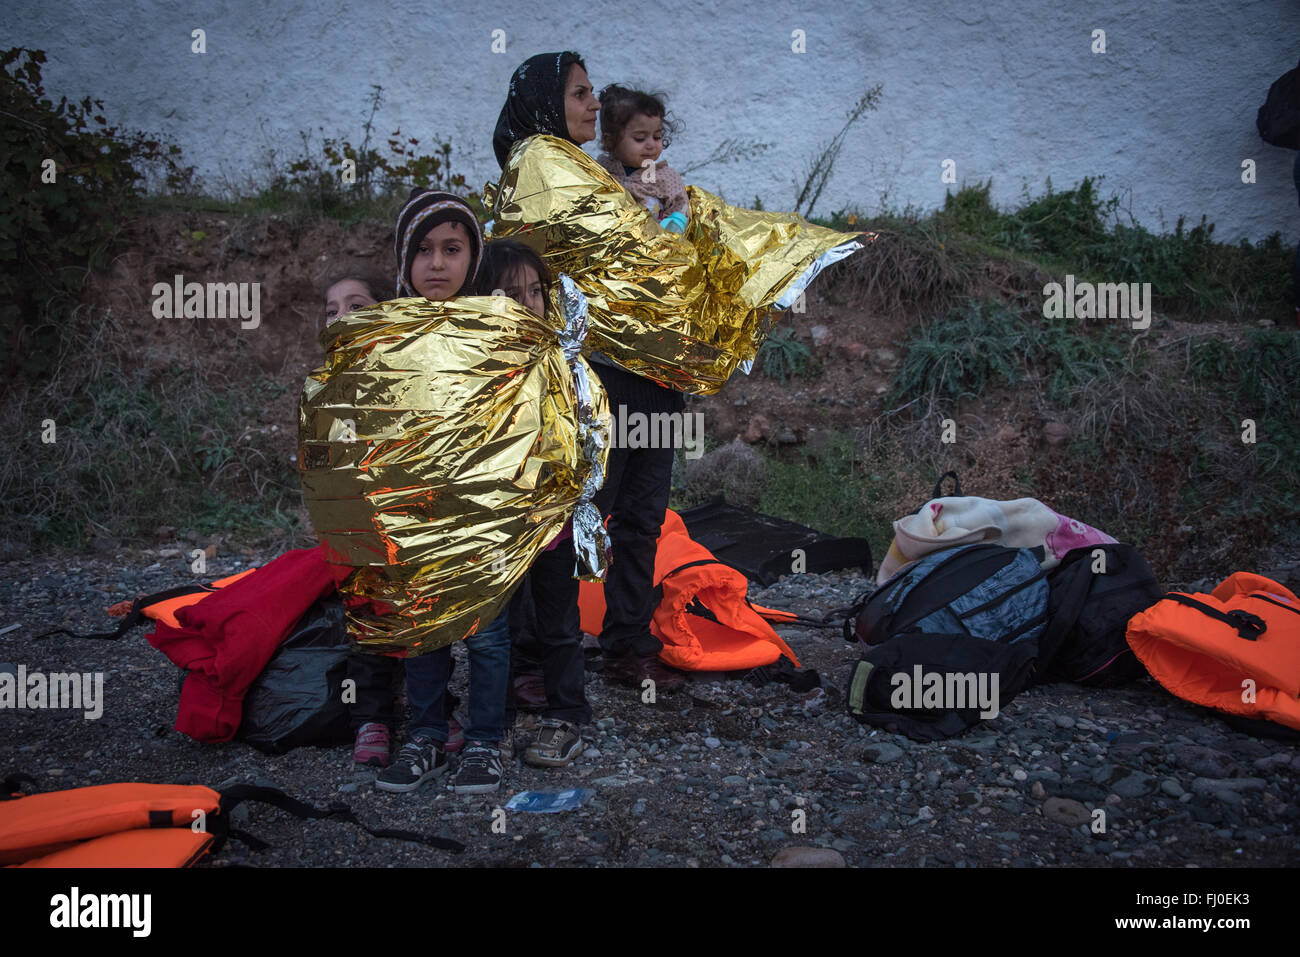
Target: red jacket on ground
{"points": [[226, 639]]}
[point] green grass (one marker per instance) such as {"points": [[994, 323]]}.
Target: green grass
{"points": [[985, 344], [840, 491], [136, 448]]}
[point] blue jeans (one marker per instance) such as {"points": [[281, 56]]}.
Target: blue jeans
{"points": [[489, 672]]}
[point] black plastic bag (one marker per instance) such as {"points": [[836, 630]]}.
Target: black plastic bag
{"points": [[761, 547], [298, 698]]}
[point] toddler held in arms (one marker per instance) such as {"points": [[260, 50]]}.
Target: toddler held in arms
{"points": [[634, 132]]}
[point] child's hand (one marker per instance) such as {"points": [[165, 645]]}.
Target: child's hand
{"points": [[676, 223]]}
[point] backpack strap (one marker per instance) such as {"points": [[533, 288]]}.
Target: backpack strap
{"points": [[136, 616], [1248, 626], [956, 486], [11, 789], [232, 797]]}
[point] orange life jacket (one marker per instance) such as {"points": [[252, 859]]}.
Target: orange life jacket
{"points": [[108, 825], [1236, 649], [164, 609], [692, 579], [144, 825]]}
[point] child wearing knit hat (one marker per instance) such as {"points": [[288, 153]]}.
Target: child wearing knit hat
{"points": [[439, 245]]}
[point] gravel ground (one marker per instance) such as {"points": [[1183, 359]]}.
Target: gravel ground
{"points": [[723, 774]]}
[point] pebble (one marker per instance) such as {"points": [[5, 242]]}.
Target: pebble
{"points": [[882, 753], [1135, 784], [1066, 811], [808, 857], [605, 724], [1273, 762], [1064, 721], [712, 743], [1206, 762], [1211, 786], [1172, 788]]}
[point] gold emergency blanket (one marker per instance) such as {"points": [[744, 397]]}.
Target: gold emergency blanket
{"points": [[443, 445], [683, 310]]}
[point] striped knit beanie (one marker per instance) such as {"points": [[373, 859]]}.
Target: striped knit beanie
{"points": [[424, 210]]}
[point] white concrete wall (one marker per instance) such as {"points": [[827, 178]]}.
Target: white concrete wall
{"points": [[1008, 89]]}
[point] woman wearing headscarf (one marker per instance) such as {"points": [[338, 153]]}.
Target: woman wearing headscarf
{"points": [[550, 94], [666, 312]]}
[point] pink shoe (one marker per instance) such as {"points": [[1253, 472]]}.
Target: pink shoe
{"points": [[371, 747]]}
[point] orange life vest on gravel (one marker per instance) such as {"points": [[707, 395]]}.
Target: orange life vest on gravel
{"points": [[696, 585], [1236, 649], [144, 825]]}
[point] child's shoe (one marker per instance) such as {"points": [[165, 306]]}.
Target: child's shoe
{"points": [[420, 759], [558, 743], [479, 771], [371, 747]]}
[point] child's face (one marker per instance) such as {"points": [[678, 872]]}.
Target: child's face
{"points": [[642, 139], [442, 262], [346, 295], [525, 288]]}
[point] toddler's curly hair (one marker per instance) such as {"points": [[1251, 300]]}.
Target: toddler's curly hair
{"points": [[618, 104]]}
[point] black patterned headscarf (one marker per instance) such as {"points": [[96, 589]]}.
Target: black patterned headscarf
{"points": [[535, 103]]}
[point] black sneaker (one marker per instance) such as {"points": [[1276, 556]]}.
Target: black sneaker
{"points": [[557, 744], [420, 759], [479, 771]]}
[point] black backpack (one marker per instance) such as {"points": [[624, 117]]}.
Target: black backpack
{"points": [[988, 592], [1278, 120], [958, 617], [1095, 591], [886, 685]]}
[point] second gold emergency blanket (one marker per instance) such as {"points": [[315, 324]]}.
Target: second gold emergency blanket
{"points": [[683, 310], [442, 446]]}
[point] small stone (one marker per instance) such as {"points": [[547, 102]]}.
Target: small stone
{"points": [[759, 428], [925, 813], [1172, 788], [820, 335], [882, 753], [1054, 433], [1273, 762], [605, 724], [1066, 811], [1038, 791], [808, 857], [1206, 762], [1135, 784], [1020, 774], [712, 743], [1064, 721], [1211, 786]]}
